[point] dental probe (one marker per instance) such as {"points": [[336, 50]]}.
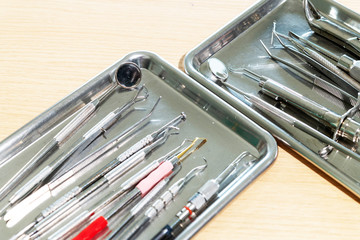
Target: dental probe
{"points": [[101, 179], [127, 160], [102, 222]]}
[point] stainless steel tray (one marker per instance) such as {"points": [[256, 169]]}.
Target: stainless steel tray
{"points": [[228, 133], [237, 45]]}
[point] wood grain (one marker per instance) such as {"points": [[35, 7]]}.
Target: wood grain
{"points": [[49, 48]]}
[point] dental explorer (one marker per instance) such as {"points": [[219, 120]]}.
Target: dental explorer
{"points": [[102, 222], [204, 197], [90, 231], [46, 191], [90, 136], [153, 173], [127, 75], [159, 204]]}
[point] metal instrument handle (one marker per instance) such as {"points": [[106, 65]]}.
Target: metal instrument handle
{"points": [[332, 67], [61, 201], [76, 122], [135, 148]]}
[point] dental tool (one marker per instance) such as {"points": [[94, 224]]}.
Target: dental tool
{"points": [[153, 173], [150, 214], [317, 81], [342, 125], [46, 191], [343, 61], [103, 178], [322, 60], [130, 158], [127, 75], [327, 70], [203, 198], [102, 222], [90, 136], [219, 75]]}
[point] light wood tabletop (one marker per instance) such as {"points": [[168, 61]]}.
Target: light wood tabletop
{"points": [[50, 48]]}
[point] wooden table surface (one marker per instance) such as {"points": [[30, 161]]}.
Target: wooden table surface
{"points": [[49, 48]]}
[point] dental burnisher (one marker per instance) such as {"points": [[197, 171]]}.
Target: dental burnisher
{"points": [[127, 75]]}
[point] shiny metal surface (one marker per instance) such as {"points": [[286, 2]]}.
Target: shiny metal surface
{"points": [[237, 45], [228, 132], [332, 29]]}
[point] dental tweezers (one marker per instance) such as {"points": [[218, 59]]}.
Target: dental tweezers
{"points": [[317, 81], [343, 61], [322, 64]]}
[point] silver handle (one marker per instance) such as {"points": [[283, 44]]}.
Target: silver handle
{"points": [[75, 123], [135, 148], [61, 201]]}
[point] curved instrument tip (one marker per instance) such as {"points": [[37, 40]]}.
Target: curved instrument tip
{"points": [[311, 13]]}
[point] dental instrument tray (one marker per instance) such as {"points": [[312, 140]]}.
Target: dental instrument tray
{"points": [[166, 106], [300, 94]]}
